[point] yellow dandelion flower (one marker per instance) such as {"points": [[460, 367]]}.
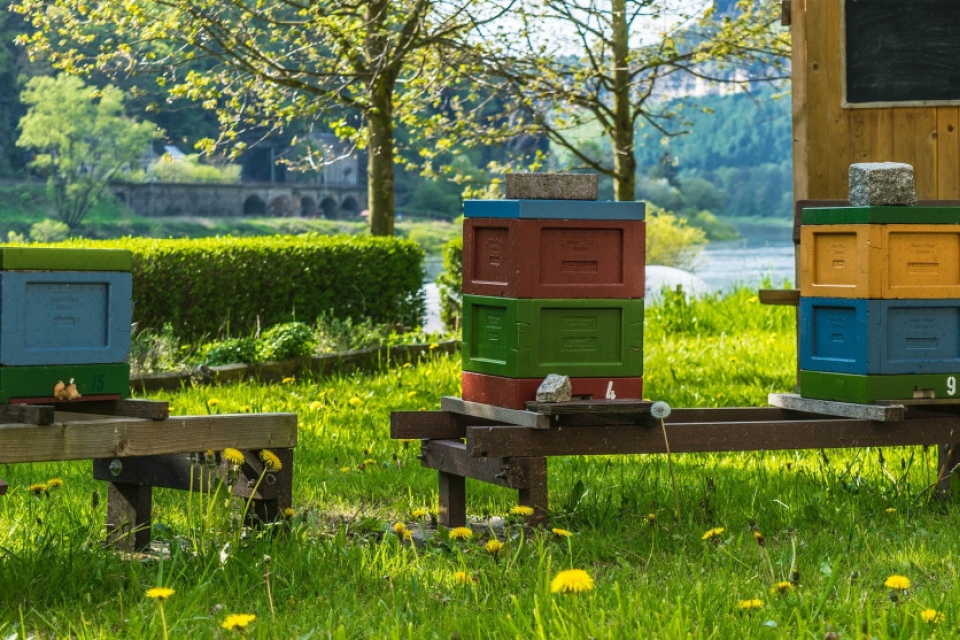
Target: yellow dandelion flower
{"points": [[54, 483], [434, 345], [897, 582], [891, 510], [411, 394], [713, 533], [238, 621], [782, 587], [246, 409], [270, 460], [288, 380], [212, 402], [345, 469], [419, 513], [355, 401], [316, 405], [521, 511], [746, 605], [461, 533], [562, 533], [399, 528], [160, 593], [462, 578], [37, 488], [494, 547], [651, 518], [571, 581], [931, 616], [406, 441], [233, 456], [369, 461]]}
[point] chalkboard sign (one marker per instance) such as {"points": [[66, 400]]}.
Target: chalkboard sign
{"points": [[901, 52]]}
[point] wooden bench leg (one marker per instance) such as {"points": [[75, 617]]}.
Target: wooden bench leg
{"points": [[452, 500], [535, 493], [948, 459], [128, 515]]}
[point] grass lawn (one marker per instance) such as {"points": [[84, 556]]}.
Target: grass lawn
{"points": [[838, 525]]}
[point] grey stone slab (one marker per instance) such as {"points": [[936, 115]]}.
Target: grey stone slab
{"points": [[874, 184], [551, 186], [555, 388]]}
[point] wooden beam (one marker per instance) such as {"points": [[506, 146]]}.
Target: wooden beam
{"points": [[591, 407], [535, 493], [880, 413], [450, 456], [491, 412], [27, 413], [710, 436], [152, 409], [452, 499], [784, 297], [75, 436]]}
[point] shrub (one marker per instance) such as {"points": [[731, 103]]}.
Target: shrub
{"points": [[671, 242], [286, 341], [450, 284], [203, 286], [229, 351]]}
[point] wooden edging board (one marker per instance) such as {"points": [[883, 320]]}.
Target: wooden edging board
{"points": [[77, 436]]}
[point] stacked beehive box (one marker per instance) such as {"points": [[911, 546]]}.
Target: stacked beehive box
{"points": [[880, 293], [552, 283], [64, 324]]}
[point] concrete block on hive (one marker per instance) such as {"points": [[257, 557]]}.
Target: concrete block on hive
{"points": [[882, 183], [551, 186]]}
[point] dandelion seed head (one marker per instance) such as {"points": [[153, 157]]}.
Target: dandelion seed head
{"points": [[660, 410]]}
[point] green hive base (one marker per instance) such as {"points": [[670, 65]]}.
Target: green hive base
{"points": [[881, 215], [846, 387], [38, 382]]}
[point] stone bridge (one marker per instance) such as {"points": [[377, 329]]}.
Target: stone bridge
{"points": [[244, 199]]}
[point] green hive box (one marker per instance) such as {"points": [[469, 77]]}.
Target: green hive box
{"points": [[866, 389], [59, 259], [531, 338], [881, 215]]}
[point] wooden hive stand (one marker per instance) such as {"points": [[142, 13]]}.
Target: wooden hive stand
{"points": [[509, 447], [136, 445]]}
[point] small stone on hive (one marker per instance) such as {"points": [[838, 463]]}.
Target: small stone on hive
{"points": [[551, 186], [875, 184], [555, 388]]}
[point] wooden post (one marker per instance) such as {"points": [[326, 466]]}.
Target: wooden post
{"points": [[948, 477], [535, 493], [128, 515], [452, 500], [278, 492]]}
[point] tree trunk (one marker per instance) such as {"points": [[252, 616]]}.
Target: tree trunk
{"points": [[624, 159], [380, 171]]}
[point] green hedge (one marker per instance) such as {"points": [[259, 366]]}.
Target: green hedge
{"points": [[226, 286]]}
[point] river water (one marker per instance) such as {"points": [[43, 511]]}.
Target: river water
{"points": [[722, 265]]}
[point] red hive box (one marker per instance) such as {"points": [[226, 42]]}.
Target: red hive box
{"points": [[553, 258], [514, 392]]}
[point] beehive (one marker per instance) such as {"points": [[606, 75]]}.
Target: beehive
{"points": [[880, 261], [532, 338], [553, 258], [64, 314], [848, 387], [879, 337]]}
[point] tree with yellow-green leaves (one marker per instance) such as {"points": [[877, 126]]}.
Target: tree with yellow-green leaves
{"points": [[81, 139], [365, 66]]}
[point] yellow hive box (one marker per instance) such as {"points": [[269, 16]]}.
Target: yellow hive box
{"points": [[880, 261]]}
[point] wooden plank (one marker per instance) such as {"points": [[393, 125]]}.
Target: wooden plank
{"points": [[785, 297], [592, 407], [711, 437], [500, 414], [3, 487], [26, 413], [152, 409], [948, 152], [798, 94], [915, 143], [452, 499], [81, 437], [880, 413], [871, 135], [432, 425], [129, 509], [827, 160], [733, 414], [535, 494], [450, 456]]}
